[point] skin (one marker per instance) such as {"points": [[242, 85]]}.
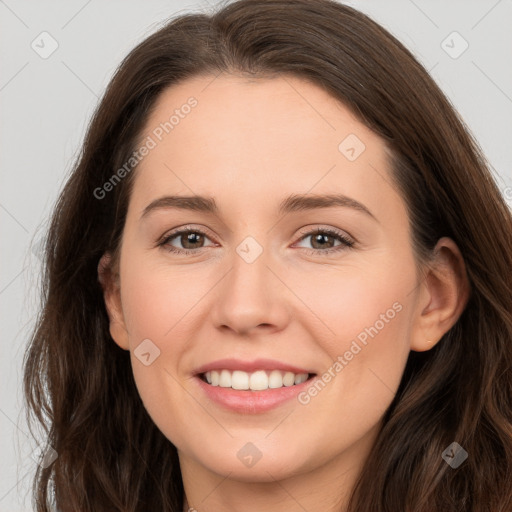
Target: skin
{"points": [[248, 144]]}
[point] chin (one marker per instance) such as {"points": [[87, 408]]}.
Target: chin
{"points": [[252, 462]]}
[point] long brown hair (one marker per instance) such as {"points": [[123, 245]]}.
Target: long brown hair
{"points": [[78, 383]]}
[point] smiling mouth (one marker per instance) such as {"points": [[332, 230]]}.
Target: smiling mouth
{"points": [[259, 380]]}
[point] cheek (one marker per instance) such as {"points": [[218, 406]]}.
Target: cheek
{"points": [[157, 307], [362, 325], [365, 360], [155, 299], [352, 303], [161, 303]]}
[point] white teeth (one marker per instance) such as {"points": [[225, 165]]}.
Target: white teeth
{"points": [[288, 379], [275, 379], [258, 381], [239, 380], [225, 379], [255, 381]]}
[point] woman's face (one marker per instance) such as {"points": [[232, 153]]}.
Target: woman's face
{"points": [[259, 283]]}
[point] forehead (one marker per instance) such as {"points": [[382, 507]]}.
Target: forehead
{"points": [[289, 107], [247, 140]]}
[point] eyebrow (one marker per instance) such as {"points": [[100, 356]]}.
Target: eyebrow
{"points": [[292, 203]]}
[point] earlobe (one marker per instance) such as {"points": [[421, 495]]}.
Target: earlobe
{"points": [[112, 297], [442, 298]]}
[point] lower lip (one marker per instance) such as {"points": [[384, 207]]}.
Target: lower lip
{"points": [[252, 401]]}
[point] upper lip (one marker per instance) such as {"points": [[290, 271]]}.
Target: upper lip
{"points": [[250, 366]]}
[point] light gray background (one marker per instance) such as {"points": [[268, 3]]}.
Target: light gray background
{"points": [[46, 105]]}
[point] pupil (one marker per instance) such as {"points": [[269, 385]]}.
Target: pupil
{"points": [[190, 237], [321, 238]]}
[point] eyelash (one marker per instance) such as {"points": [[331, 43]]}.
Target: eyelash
{"points": [[346, 243]]}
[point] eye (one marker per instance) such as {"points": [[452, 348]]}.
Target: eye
{"points": [[321, 237], [190, 239]]}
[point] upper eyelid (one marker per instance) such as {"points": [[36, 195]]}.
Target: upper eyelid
{"points": [[184, 229], [321, 229]]}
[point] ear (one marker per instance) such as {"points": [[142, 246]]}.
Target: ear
{"points": [[443, 295], [109, 280]]}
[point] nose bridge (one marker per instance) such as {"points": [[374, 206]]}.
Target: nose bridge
{"points": [[249, 295], [250, 274]]}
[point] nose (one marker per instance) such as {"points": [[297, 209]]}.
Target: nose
{"points": [[251, 298]]}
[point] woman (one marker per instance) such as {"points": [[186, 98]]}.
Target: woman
{"points": [[341, 336]]}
